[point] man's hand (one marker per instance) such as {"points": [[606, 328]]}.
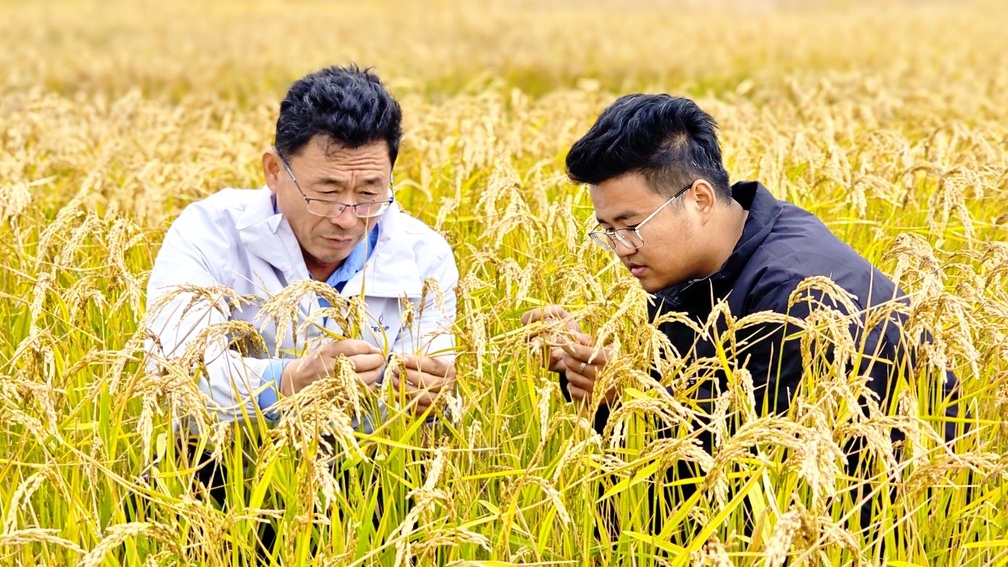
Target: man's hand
{"points": [[422, 378], [570, 351], [560, 328], [367, 361], [584, 362]]}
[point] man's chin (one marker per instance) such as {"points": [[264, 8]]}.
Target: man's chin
{"points": [[331, 255], [650, 285]]}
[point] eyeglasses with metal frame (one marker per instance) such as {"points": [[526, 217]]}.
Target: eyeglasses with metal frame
{"points": [[629, 236], [325, 208]]}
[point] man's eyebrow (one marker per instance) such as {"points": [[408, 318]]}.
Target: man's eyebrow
{"points": [[329, 180], [342, 182], [620, 217]]}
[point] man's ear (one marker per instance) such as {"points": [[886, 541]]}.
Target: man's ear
{"points": [[271, 168], [705, 199]]}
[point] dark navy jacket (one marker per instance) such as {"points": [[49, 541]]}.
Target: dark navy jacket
{"points": [[782, 245]]}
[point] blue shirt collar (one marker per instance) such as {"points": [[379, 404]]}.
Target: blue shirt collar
{"points": [[355, 261]]}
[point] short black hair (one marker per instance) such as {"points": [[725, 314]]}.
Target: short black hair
{"points": [[348, 104], [669, 140]]}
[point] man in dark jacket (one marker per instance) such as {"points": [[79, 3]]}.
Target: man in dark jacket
{"points": [[665, 207]]}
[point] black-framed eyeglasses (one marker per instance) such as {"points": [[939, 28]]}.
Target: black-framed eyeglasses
{"points": [[324, 208], [629, 236]]}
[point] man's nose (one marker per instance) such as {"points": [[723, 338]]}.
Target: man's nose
{"points": [[345, 218], [623, 249]]}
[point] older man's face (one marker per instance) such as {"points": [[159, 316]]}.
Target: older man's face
{"points": [[335, 174]]}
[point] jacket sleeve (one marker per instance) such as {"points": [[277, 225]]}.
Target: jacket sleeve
{"points": [[189, 309], [777, 359]]}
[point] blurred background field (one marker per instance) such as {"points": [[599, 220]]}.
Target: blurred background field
{"points": [[888, 119]]}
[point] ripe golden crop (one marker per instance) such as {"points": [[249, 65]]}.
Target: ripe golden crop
{"points": [[886, 119]]}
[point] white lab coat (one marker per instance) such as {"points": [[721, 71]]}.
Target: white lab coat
{"points": [[235, 239]]}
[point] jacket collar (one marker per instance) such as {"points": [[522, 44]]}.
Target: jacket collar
{"points": [[393, 269], [266, 234], [763, 209]]}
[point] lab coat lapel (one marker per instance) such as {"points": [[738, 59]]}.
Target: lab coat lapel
{"points": [[391, 271], [267, 236]]}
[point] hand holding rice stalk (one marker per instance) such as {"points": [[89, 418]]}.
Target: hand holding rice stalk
{"points": [[568, 350], [366, 359], [420, 379], [427, 374]]}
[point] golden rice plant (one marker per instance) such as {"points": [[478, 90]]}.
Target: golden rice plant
{"points": [[886, 119]]}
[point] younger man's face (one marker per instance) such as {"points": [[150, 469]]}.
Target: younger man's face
{"points": [[672, 249]]}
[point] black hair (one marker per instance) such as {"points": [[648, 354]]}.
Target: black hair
{"points": [[348, 104], [669, 140]]}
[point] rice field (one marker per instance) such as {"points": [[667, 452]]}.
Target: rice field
{"points": [[887, 119]]}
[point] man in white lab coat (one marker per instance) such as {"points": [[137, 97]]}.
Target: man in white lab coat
{"points": [[327, 213]]}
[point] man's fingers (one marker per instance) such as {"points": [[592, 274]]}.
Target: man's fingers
{"points": [[549, 314], [370, 378], [531, 316], [422, 403], [421, 379], [556, 360], [413, 389], [419, 397], [581, 381], [417, 380], [578, 393], [544, 313], [348, 347], [585, 351], [429, 365], [366, 362], [578, 352]]}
